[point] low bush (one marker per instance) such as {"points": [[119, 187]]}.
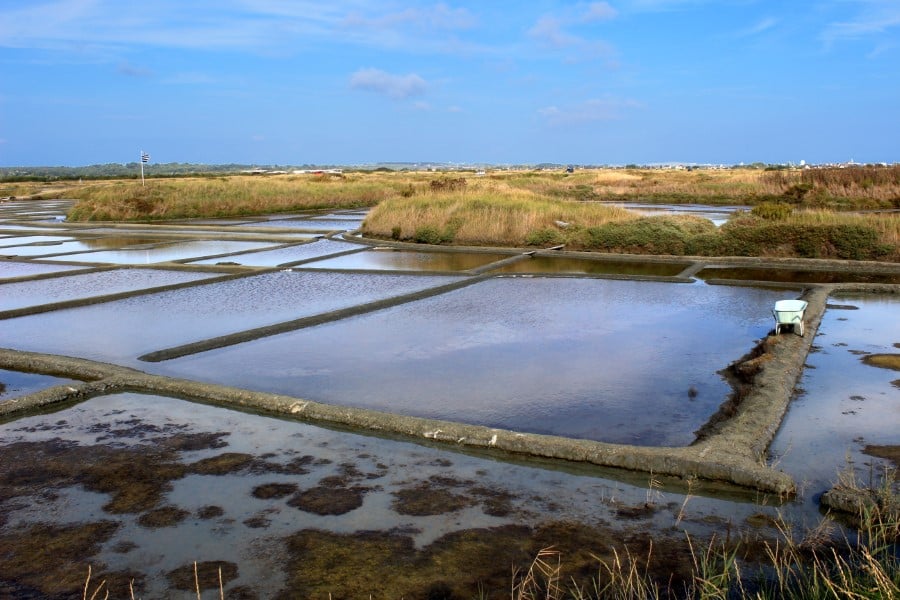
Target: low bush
{"points": [[772, 211], [545, 237]]}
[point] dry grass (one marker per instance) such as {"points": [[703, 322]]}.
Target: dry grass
{"points": [[224, 196], [484, 216], [242, 195]]}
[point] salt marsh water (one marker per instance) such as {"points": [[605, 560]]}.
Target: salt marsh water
{"points": [[15, 383], [552, 264], [404, 260], [164, 252], [122, 330], [220, 485], [10, 269], [70, 287], [281, 256], [605, 360], [843, 404], [797, 275]]}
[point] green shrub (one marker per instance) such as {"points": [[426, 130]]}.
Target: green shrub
{"points": [[429, 234], [653, 235], [772, 211], [545, 237]]}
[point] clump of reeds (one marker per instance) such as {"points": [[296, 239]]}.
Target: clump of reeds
{"points": [[223, 196], [500, 217]]}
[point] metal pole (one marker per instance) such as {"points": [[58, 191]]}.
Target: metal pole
{"points": [[142, 167]]}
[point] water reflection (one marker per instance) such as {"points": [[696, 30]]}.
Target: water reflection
{"points": [[796, 275], [9, 268], [844, 403], [281, 256], [596, 359], [122, 330], [549, 264], [404, 260], [71, 287], [166, 483], [15, 383], [166, 252]]}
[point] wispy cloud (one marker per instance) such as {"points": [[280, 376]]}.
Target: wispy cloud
{"points": [[599, 11], [129, 70], [437, 17], [555, 32], [873, 18], [597, 109], [760, 27], [397, 87], [254, 25]]}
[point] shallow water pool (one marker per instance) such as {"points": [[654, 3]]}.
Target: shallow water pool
{"points": [[405, 260], [605, 360], [120, 331], [844, 404], [71, 287]]}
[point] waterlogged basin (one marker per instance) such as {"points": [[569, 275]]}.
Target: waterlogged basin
{"points": [[184, 482], [86, 285], [292, 254], [165, 252], [796, 275], [30, 239], [122, 330], [844, 404], [604, 360], [311, 224], [719, 215], [14, 383], [550, 264], [405, 260], [10, 269]]}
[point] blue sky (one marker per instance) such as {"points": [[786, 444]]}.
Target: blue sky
{"points": [[357, 81]]}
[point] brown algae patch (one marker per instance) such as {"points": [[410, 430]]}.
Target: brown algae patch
{"points": [[137, 478], [221, 464], [428, 498], [267, 491], [884, 361], [329, 499], [891, 453], [469, 563], [52, 560], [207, 575], [165, 516]]}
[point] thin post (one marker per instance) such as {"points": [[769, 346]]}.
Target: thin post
{"points": [[142, 167]]}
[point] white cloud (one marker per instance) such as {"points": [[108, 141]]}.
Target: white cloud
{"points": [[599, 11], [552, 31], [394, 86], [437, 17], [760, 27], [129, 70], [597, 109], [548, 30], [874, 18]]}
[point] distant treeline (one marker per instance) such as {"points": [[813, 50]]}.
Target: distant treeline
{"points": [[133, 170]]}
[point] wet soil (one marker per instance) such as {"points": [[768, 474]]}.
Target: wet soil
{"points": [[165, 516], [52, 560], [329, 499], [471, 563], [891, 453], [274, 490], [885, 361], [206, 578]]}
